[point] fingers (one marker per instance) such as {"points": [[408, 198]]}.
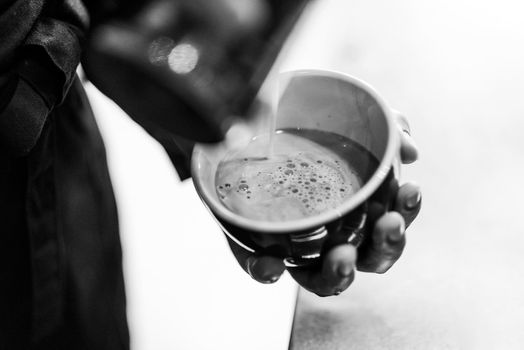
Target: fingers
{"points": [[264, 269], [385, 245], [408, 202], [408, 148], [333, 276]]}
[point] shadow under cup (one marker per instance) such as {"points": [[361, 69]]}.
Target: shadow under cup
{"points": [[333, 103]]}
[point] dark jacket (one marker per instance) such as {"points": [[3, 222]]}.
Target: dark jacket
{"points": [[61, 284]]}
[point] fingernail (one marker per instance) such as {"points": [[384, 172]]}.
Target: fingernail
{"points": [[413, 200], [344, 270], [397, 234]]}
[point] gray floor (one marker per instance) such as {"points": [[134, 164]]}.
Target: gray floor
{"points": [[456, 69]]}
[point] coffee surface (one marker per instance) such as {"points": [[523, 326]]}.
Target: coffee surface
{"points": [[309, 172]]}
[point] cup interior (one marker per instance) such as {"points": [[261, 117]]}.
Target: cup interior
{"points": [[326, 101]]}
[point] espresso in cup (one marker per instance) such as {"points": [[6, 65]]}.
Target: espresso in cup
{"points": [[308, 172]]}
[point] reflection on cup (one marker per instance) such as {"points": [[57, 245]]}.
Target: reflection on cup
{"points": [[330, 173]]}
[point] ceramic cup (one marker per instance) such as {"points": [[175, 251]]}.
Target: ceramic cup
{"points": [[325, 101]]}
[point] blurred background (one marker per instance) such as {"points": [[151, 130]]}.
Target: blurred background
{"points": [[455, 69]]}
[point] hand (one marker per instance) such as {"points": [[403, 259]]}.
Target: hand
{"points": [[337, 271]]}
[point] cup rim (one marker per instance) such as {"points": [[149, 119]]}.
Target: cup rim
{"points": [[392, 148]]}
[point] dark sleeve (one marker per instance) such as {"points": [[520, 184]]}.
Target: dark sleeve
{"points": [[41, 70], [178, 149]]}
